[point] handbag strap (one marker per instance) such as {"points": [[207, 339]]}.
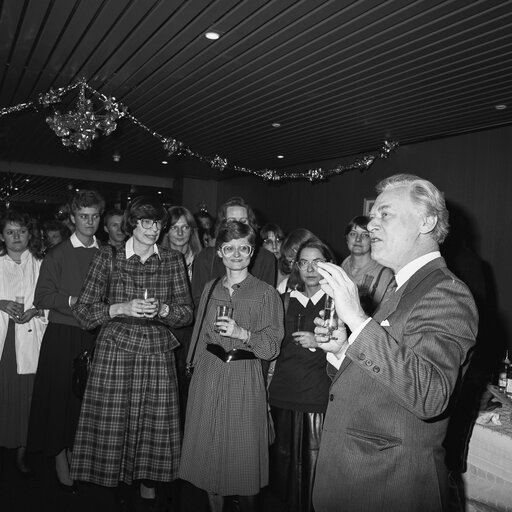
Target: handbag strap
{"points": [[272, 367], [191, 356]]}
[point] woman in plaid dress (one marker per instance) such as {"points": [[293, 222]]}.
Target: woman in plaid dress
{"points": [[225, 446], [129, 422]]}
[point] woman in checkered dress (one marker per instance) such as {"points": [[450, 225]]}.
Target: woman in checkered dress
{"points": [[225, 447], [129, 422]]}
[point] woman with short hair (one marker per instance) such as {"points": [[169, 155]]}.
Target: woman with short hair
{"points": [[225, 446], [129, 424], [373, 280], [55, 409], [21, 328]]}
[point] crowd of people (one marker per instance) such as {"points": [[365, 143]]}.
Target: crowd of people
{"points": [[213, 360]]}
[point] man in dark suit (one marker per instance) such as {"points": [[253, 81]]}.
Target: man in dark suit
{"points": [[396, 374]]}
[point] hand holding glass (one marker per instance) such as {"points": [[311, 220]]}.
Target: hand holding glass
{"points": [[21, 306], [330, 317], [148, 294], [223, 313], [298, 324]]}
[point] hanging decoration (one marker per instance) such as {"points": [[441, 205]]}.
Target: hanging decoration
{"points": [[11, 184], [79, 127]]}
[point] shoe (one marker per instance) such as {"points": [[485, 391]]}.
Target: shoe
{"points": [[68, 489], [23, 470]]}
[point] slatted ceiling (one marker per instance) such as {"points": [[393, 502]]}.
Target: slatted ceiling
{"points": [[340, 76]]}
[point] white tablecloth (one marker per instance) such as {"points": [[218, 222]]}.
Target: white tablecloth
{"points": [[488, 479]]}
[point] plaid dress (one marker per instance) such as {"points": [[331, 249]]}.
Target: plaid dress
{"points": [[129, 423], [225, 445]]}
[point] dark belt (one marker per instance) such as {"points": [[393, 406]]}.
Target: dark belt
{"points": [[227, 356], [131, 320]]}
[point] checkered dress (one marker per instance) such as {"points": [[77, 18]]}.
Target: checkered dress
{"points": [[225, 446], [129, 422]]}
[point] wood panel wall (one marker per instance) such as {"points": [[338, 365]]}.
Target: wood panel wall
{"points": [[473, 170]]}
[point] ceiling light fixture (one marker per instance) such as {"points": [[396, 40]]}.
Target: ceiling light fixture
{"points": [[280, 156], [165, 162], [212, 35], [276, 125], [501, 106]]}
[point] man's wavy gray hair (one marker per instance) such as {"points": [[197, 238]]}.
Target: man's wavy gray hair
{"points": [[425, 194]]}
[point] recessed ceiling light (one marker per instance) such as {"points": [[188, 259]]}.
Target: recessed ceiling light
{"points": [[276, 125], [159, 192], [280, 156], [213, 36], [27, 179], [77, 190], [165, 162], [501, 106]]}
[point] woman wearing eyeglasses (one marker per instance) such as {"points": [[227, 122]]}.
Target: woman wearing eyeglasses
{"points": [[299, 388], [373, 280], [225, 446], [129, 423], [182, 235]]}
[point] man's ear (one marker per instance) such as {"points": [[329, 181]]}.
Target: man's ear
{"points": [[105, 229], [428, 225]]}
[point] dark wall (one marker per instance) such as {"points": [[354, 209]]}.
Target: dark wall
{"points": [[474, 171]]}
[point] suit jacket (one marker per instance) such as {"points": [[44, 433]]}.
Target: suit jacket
{"points": [[388, 409]]}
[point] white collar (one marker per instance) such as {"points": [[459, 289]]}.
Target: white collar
{"points": [[75, 242], [405, 273], [130, 252], [303, 299]]}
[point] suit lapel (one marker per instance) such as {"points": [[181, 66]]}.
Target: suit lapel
{"points": [[389, 306]]}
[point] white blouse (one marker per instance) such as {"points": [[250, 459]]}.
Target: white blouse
{"points": [[19, 280]]}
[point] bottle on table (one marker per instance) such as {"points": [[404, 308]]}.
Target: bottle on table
{"points": [[503, 375], [509, 380]]}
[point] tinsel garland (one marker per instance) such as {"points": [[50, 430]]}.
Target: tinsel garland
{"points": [[80, 127]]}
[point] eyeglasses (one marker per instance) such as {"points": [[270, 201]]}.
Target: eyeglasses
{"points": [[243, 250], [356, 234], [149, 223], [305, 264], [177, 228]]}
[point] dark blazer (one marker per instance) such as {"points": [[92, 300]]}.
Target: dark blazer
{"points": [[381, 447]]}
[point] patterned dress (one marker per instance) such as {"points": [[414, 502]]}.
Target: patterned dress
{"points": [[225, 446], [129, 422]]}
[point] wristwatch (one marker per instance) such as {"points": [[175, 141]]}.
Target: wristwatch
{"points": [[164, 311]]}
